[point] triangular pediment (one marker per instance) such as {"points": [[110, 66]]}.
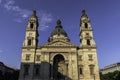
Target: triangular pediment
{"points": [[59, 43]]}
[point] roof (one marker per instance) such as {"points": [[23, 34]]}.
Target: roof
{"points": [[111, 66]]}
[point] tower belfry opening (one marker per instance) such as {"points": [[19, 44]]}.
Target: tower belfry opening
{"points": [[86, 25], [88, 42], [31, 25]]}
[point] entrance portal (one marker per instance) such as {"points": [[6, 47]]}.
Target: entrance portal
{"points": [[59, 67]]}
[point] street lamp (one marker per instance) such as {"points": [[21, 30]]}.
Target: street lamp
{"points": [[94, 76]]}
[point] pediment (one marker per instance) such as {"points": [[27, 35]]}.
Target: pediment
{"points": [[60, 43]]}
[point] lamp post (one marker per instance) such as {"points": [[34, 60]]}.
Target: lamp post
{"points": [[94, 76]]}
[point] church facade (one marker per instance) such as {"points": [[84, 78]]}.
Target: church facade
{"points": [[59, 59]]}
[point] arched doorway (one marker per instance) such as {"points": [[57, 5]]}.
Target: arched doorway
{"points": [[59, 67]]}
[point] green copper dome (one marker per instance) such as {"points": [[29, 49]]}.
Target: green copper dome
{"points": [[58, 29]]}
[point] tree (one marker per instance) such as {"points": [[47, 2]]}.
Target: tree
{"points": [[110, 76]]}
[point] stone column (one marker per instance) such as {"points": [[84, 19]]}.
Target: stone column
{"points": [[74, 66], [70, 66]]}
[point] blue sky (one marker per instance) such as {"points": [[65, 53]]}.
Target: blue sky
{"points": [[104, 16]]}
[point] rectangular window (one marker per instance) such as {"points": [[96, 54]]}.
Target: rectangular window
{"points": [[29, 42], [88, 42], [26, 69], [90, 56], [80, 70], [91, 67], [37, 70], [80, 57], [38, 58], [27, 57]]}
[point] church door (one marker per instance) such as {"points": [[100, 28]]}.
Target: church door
{"points": [[59, 68]]}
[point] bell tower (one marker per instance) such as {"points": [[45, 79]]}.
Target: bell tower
{"points": [[86, 34], [29, 48], [31, 38], [87, 54]]}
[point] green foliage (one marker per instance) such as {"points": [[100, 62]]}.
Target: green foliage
{"points": [[110, 76], [9, 75]]}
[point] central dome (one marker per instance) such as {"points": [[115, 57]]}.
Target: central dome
{"points": [[58, 31]]}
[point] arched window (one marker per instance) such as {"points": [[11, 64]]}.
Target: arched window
{"points": [[31, 25], [88, 42], [29, 42], [86, 25]]}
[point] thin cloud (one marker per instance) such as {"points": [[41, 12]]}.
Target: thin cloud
{"points": [[0, 1], [1, 51], [11, 7], [22, 14], [45, 19]]}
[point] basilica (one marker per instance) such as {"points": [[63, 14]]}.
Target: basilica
{"points": [[59, 59]]}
